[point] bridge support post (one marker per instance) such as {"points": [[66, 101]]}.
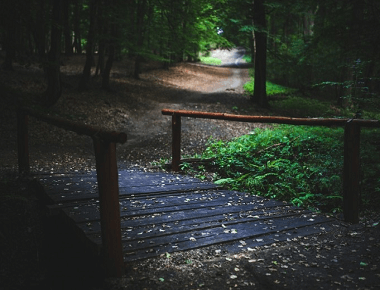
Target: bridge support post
{"points": [[108, 185], [351, 172], [22, 142], [176, 142]]}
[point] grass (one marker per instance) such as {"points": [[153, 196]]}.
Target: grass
{"points": [[210, 60], [272, 89]]}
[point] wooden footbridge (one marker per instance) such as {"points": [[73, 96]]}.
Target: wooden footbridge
{"points": [[128, 215]]}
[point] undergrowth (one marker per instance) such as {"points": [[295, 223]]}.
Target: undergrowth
{"points": [[298, 164], [210, 60]]}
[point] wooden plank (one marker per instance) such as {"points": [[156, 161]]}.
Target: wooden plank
{"points": [[74, 188], [161, 212], [233, 246], [133, 227], [89, 212], [134, 250]]}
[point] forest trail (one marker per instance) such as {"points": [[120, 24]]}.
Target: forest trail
{"points": [[212, 90]]}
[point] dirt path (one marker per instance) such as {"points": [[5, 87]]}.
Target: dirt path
{"points": [[150, 122]]}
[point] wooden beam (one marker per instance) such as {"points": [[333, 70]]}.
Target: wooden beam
{"points": [[271, 119], [108, 185], [351, 172], [82, 129], [176, 142]]}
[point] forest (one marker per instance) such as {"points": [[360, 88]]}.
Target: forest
{"points": [[325, 47], [308, 58], [117, 64]]}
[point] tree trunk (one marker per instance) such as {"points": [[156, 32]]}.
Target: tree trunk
{"points": [[111, 49], [9, 13], [259, 94], [103, 25], [54, 89], [66, 27], [107, 68], [77, 33], [140, 36], [89, 48]]}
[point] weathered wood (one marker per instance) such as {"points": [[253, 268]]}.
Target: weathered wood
{"points": [[271, 119], [258, 231], [78, 128], [22, 143], [351, 172], [155, 223], [176, 145], [106, 168]]}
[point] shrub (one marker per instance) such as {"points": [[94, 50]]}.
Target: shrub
{"points": [[300, 107], [298, 164], [210, 60]]}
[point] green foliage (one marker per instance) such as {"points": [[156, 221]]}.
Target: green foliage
{"points": [[370, 165], [293, 163], [300, 107], [210, 60], [299, 164], [272, 89]]}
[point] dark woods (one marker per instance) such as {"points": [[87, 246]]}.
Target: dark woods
{"points": [[332, 46]]}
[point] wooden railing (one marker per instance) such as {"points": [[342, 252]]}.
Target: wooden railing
{"points": [[351, 170], [107, 175]]}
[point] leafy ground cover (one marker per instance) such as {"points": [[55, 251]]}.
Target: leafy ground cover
{"points": [[299, 164], [210, 60]]}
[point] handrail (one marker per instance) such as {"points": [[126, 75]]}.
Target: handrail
{"points": [[271, 119], [107, 176], [351, 170], [82, 129]]}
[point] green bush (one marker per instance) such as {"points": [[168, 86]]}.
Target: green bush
{"points": [[298, 164], [272, 89], [210, 60], [300, 107]]}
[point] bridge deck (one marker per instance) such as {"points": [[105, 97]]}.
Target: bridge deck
{"points": [[163, 212]]}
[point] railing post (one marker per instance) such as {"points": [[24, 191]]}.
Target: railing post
{"points": [[176, 142], [108, 185], [351, 172], [22, 142]]}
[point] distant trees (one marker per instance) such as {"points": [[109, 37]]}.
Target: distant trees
{"points": [[296, 43], [53, 74], [309, 42], [260, 33]]}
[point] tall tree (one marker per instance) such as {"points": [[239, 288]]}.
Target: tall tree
{"points": [[9, 20], [112, 42], [140, 14], [54, 89], [260, 94], [90, 46], [67, 28], [76, 22]]}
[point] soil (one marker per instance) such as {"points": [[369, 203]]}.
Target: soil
{"points": [[37, 254]]}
